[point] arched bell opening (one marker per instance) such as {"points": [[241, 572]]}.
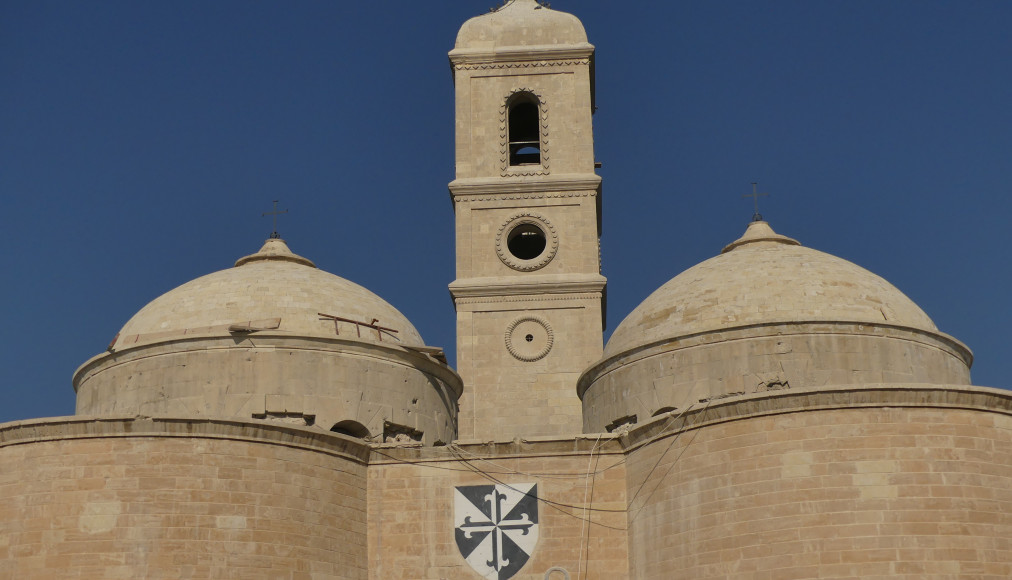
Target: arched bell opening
{"points": [[524, 127]]}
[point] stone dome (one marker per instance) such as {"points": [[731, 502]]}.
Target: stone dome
{"points": [[764, 277], [766, 314], [273, 289], [276, 339], [520, 23]]}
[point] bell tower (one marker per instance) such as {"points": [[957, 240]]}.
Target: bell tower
{"points": [[529, 293]]}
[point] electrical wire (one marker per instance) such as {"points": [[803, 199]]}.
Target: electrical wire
{"points": [[471, 468], [587, 500], [456, 451], [557, 506], [661, 458], [458, 454], [695, 433]]}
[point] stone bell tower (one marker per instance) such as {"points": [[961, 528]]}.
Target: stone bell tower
{"points": [[529, 294]]}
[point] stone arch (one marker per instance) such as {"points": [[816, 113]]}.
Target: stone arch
{"points": [[351, 429], [523, 125]]}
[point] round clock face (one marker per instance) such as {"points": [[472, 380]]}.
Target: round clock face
{"points": [[526, 242], [529, 338]]}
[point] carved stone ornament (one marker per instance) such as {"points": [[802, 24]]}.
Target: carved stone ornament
{"points": [[520, 65], [529, 338], [540, 261]]}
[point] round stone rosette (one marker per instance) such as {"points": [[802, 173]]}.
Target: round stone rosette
{"points": [[529, 338]]}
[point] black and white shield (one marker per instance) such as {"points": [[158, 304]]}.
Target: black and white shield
{"points": [[496, 527]]}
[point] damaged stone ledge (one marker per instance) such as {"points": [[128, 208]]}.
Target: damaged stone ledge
{"points": [[745, 406], [527, 447], [93, 427]]}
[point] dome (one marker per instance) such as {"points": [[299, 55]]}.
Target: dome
{"points": [[273, 289], [276, 339], [767, 314], [520, 23], [760, 278]]}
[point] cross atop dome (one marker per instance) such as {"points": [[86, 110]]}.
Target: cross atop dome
{"points": [[755, 195], [274, 233]]}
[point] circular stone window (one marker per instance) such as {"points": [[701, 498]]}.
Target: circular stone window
{"points": [[529, 338], [526, 242]]}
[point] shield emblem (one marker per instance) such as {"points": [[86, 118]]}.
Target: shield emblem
{"points": [[496, 527]]}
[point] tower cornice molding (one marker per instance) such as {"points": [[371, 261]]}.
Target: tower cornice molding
{"points": [[499, 299], [521, 56], [535, 286], [494, 188]]}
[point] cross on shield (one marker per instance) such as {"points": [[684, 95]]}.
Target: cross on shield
{"points": [[496, 527]]}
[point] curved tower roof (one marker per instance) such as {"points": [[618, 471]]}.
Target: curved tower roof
{"points": [[519, 23]]}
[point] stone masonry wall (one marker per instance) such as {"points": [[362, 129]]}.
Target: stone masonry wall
{"points": [[764, 358], [158, 505], [894, 491], [411, 507]]}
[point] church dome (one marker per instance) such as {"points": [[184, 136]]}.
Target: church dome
{"points": [[766, 314], [765, 277], [276, 339], [517, 24], [273, 289]]}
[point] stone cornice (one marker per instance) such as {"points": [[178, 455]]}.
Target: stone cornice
{"points": [[499, 299], [699, 415], [533, 285], [528, 65], [91, 427], [543, 55], [387, 352], [528, 447], [495, 188], [715, 411]]}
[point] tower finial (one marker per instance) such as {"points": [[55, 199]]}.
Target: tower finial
{"points": [[274, 234], [756, 216]]}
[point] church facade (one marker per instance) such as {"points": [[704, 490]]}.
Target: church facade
{"points": [[773, 412]]}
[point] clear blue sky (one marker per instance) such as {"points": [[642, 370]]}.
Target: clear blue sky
{"points": [[141, 141]]}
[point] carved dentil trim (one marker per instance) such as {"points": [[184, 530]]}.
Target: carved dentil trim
{"points": [[514, 196], [504, 148], [510, 65], [537, 220], [540, 354], [548, 298]]}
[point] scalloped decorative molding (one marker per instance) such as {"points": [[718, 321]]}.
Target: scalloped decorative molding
{"points": [[508, 170], [511, 65], [537, 220], [529, 357], [504, 196], [555, 297]]}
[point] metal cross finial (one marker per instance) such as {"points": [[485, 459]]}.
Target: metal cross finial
{"points": [[755, 195], [275, 235]]}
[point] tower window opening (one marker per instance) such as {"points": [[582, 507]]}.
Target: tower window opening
{"points": [[524, 131], [526, 241]]}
